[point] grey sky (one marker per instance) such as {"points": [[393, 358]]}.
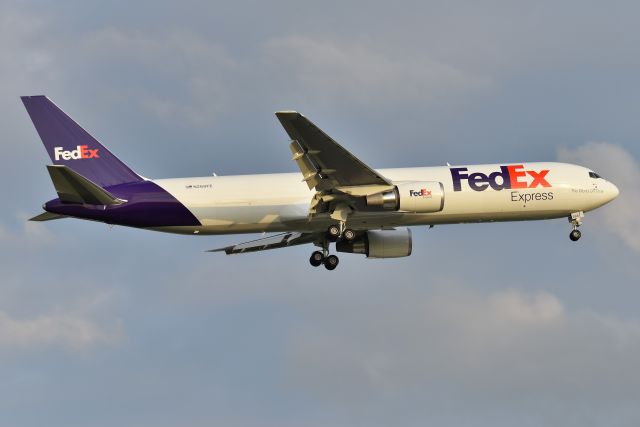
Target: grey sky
{"points": [[495, 324]]}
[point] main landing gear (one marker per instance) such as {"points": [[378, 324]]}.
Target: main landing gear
{"points": [[330, 261], [576, 221], [334, 233], [317, 258], [339, 231]]}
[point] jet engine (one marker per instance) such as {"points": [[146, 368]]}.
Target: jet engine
{"points": [[410, 196], [379, 244]]}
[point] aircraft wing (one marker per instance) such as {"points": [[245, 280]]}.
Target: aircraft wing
{"points": [[272, 242], [324, 163]]}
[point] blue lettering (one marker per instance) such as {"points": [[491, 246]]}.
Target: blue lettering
{"points": [[457, 176], [478, 181]]}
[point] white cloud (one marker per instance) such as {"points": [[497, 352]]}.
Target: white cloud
{"points": [[27, 234], [362, 74], [620, 167], [182, 76], [37, 311], [23, 53], [76, 321], [196, 67], [510, 345], [37, 58], [70, 331], [211, 80], [21, 233]]}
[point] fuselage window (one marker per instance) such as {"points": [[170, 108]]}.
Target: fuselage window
{"points": [[593, 175]]}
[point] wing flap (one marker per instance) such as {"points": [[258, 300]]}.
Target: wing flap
{"points": [[309, 170], [272, 242]]}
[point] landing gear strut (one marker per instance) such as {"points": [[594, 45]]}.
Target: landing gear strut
{"points": [[576, 221]]}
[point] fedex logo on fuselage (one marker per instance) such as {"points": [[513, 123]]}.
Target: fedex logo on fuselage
{"points": [[511, 176], [81, 152]]}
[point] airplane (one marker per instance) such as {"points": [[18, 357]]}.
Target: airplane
{"points": [[336, 198]]}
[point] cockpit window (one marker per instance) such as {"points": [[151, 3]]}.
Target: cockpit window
{"points": [[594, 175]]}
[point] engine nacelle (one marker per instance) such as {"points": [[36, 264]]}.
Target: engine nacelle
{"points": [[380, 244], [410, 196]]}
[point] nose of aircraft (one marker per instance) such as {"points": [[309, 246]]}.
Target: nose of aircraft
{"points": [[612, 191]]}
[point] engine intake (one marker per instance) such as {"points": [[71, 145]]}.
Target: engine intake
{"points": [[380, 244], [410, 196]]}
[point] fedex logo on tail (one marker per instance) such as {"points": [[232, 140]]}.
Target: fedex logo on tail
{"points": [[511, 176], [81, 152]]}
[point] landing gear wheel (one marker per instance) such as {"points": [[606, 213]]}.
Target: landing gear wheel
{"points": [[331, 262], [349, 235], [575, 235], [317, 258], [333, 232]]}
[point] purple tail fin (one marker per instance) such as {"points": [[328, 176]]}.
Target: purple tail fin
{"points": [[70, 145]]}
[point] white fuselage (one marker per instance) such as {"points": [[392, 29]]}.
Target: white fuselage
{"points": [[280, 202]]}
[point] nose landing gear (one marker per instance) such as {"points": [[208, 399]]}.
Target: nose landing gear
{"points": [[575, 235], [576, 221]]}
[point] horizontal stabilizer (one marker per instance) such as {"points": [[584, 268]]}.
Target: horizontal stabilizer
{"points": [[47, 216], [74, 188]]}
